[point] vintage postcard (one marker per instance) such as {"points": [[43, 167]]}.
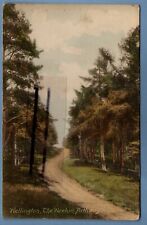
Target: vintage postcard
{"points": [[71, 103]]}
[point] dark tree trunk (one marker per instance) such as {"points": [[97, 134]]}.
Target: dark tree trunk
{"points": [[102, 154], [113, 153], [122, 151]]}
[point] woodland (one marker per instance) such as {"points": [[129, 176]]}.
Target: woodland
{"points": [[20, 75], [104, 116]]}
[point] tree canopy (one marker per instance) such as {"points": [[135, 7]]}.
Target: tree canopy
{"points": [[20, 74], [104, 123]]}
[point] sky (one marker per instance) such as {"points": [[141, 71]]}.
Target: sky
{"points": [[70, 36]]}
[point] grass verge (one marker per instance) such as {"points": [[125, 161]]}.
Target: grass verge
{"points": [[26, 196], [118, 189]]}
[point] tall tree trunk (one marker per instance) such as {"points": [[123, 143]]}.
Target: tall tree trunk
{"points": [[85, 150], [5, 133], [122, 158], [77, 152], [13, 147], [4, 104], [4, 127], [113, 153], [91, 154], [102, 154], [80, 147], [94, 153], [122, 151]]}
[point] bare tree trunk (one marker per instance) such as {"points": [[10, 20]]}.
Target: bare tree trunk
{"points": [[102, 154], [5, 133], [122, 150], [88, 152], [4, 104], [84, 150], [93, 154], [13, 147], [78, 152], [113, 153], [122, 158], [80, 147], [4, 128]]}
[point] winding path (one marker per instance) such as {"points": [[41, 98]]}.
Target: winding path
{"points": [[72, 191]]}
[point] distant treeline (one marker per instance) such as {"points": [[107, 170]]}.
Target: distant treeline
{"points": [[104, 124]]}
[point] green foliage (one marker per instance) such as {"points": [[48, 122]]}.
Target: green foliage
{"points": [[107, 109], [116, 188], [20, 74]]}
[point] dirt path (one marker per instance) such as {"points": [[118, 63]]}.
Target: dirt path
{"points": [[72, 191]]}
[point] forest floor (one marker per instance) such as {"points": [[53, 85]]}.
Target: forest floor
{"points": [[71, 190], [26, 196]]}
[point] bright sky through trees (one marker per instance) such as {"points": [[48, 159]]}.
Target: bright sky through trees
{"points": [[70, 36]]}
